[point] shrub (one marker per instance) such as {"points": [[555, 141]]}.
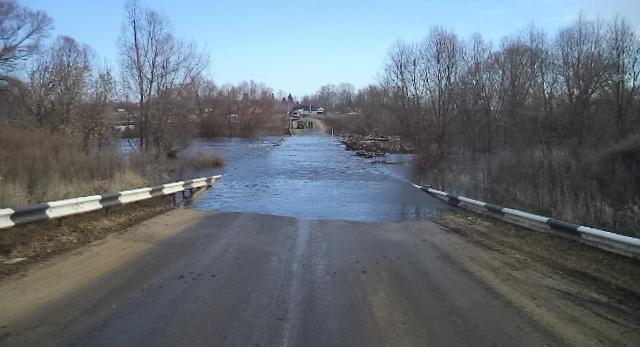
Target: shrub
{"points": [[37, 165], [201, 160], [591, 189]]}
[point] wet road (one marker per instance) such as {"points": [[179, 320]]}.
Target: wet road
{"points": [[338, 254], [238, 279]]}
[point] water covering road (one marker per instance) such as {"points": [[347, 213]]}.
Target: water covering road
{"points": [[312, 177]]}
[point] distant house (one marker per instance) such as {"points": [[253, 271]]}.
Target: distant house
{"points": [[123, 128], [296, 110], [122, 120], [305, 110], [234, 118]]}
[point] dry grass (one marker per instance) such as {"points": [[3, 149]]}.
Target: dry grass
{"points": [[264, 123], [346, 124], [38, 166], [596, 189], [40, 241], [202, 160]]}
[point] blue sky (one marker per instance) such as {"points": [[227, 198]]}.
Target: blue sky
{"points": [[298, 46]]}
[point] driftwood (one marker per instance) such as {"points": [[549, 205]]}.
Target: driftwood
{"points": [[377, 145]]}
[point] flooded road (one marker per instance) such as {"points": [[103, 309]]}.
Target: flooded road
{"points": [[312, 177], [339, 253]]}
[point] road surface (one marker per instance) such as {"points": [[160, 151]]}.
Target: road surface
{"points": [[237, 279]]}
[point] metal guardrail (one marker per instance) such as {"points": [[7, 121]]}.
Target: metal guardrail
{"points": [[609, 241], [10, 217]]}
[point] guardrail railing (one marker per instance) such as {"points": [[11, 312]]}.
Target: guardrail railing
{"points": [[10, 217], [609, 241]]}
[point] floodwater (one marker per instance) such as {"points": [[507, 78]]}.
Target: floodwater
{"points": [[312, 176]]}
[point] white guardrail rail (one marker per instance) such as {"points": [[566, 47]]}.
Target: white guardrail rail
{"points": [[609, 241], [10, 217]]}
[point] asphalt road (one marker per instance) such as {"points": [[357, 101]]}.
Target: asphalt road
{"points": [[202, 278]]}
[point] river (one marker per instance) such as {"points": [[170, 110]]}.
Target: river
{"points": [[311, 176]]}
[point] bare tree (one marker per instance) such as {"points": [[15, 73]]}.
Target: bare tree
{"points": [[583, 71], [399, 71], [181, 67], [345, 94], [371, 103], [578, 86], [156, 66], [71, 63], [57, 82], [327, 97], [22, 31], [421, 80], [440, 66], [473, 100], [92, 121], [140, 46], [556, 118], [255, 103], [623, 49]]}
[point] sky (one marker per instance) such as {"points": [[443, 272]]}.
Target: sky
{"points": [[298, 46]]}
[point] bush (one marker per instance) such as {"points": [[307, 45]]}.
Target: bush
{"points": [[38, 166], [599, 190], [201, 160], [346, 124]]}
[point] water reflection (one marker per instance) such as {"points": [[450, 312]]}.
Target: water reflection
{"points": [[311, 177]]}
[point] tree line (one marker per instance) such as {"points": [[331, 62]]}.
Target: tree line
{"points": [[448, 94], [160, 81], [333, 98], [549, 123]]}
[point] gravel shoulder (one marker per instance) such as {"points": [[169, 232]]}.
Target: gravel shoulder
{"points": [[42, 241], [589, 296]]}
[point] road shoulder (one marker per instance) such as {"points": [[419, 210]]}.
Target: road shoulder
{"points": [[584, 295], [60, 275]]}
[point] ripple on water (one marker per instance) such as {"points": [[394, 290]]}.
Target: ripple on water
{"points": [[312, 177]]}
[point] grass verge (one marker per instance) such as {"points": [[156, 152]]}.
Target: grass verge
{"points": [[40, 241]]}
